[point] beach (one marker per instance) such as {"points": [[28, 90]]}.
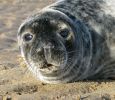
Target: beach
{"points": [[17, 82]]}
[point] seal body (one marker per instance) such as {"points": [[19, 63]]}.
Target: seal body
{"points": [[70, 40]]}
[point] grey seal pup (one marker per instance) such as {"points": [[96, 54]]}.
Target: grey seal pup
{"points": [[70, 40]]}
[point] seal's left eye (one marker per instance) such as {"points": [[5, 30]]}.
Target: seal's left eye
{"points": [[64, 33], [28, 37]]}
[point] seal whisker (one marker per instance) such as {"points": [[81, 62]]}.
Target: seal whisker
{"points": [[71, 52]]}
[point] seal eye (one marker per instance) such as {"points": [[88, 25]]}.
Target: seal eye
{"points": [[27, 37], [64, 33]]}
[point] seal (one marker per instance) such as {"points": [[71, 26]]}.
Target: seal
{"points": [[70, 40]]}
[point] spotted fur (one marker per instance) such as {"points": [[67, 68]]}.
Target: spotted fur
{"points": [[91, 52]]}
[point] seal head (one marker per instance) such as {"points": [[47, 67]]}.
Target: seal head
{"points": [[51, 46]]}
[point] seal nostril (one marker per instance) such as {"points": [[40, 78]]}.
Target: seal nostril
{"points": [[49, 65], [46, 65]]}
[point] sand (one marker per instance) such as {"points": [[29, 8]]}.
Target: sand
{"points": [[16, 82]]}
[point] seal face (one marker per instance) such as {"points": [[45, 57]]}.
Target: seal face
{"points": [[68, 41], [48, 44], [51, 46]]}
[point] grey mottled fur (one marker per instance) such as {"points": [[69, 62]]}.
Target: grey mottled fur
{"points": [[94, 21]]}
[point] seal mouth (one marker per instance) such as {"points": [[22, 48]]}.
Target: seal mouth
{"points": [[47, 67]]}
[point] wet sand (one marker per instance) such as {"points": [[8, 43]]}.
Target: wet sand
{"points": [[16, 82]]}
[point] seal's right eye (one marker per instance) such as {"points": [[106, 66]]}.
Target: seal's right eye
{"points": [[27, 37]]}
